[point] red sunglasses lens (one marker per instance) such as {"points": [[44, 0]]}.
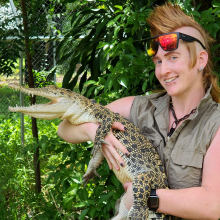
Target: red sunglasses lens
{"points": [[168, 42]]}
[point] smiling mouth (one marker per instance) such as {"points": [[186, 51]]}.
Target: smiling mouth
{"points": [[170, 80]]}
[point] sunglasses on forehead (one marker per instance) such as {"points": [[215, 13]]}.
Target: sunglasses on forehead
{"points": [[168, 42]]}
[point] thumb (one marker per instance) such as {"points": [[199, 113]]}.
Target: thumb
{"points": [[127, 185]]}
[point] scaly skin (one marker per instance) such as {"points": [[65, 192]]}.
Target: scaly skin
{"points": [[143, 167]]}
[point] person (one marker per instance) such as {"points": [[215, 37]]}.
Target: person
{"points": [[182, 123]]}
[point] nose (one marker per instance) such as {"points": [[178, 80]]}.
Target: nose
{"points": [[164, 66]]}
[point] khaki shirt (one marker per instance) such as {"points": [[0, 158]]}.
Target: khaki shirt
{"points": [[183, 154]]}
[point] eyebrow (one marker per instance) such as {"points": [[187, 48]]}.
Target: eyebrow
{"points": [[167, 54]]}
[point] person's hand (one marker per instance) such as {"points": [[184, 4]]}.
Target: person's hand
{"points": [[128, 197], [110, 152]]}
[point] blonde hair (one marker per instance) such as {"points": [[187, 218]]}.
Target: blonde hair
{"points": [[167, 18]]}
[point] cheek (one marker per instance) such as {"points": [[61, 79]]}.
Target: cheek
{"points": [[157, 73]]}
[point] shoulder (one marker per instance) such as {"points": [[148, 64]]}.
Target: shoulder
{"points": [[147, 104], [122, 106], [146, 101]]}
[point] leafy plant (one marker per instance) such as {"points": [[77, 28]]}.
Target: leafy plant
{"points": [[111, 48]]}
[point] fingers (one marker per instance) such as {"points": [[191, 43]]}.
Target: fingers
{"points": [[107, 157], [110, 153], [118, 125], [116, 143], [112, 156]]}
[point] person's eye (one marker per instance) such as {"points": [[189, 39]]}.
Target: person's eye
{"points": [[157, 62], [173, 58]]}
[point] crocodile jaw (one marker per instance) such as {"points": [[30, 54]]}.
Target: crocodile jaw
{"points": [[54, 109], [43, 111]]}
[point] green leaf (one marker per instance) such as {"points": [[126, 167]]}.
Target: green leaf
{"points": [[152, 75], [215, 47], [119, 7], [82, 194], [115, 181], [90, 82], [196, 13], [101, 25], [105, 197], [66, 185], [92, 212], [81, 204], [215, 5], [102, 44], [109, 83], [123, 82], [118, 16], [97, 89], [98, 189], [66, 200], [110, 23], [116, 30], [83, 214], [144, 86], [65, 155], [129, 57]]}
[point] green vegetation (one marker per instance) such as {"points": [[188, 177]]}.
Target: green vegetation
{"points": [[62, 166]]}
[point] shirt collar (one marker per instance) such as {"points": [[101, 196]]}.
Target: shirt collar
{"points": [[162, 100]]}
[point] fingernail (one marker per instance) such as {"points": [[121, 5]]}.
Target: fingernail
{"points": [[125, 128], [126, 154], [122, 164]]}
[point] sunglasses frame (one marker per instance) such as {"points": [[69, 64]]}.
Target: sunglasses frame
{"points": [[184, 37]]}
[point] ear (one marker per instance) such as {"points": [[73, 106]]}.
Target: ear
{"points": [[202, 59]]}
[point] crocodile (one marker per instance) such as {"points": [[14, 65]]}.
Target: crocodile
{"points": [[142, 167]]}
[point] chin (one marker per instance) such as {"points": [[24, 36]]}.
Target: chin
{"points": [[172, 92]]}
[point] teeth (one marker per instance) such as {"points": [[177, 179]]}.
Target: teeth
{"points": [[170, 80]]}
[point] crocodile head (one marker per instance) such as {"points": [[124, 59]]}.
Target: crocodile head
{"points": [[61, 100]]}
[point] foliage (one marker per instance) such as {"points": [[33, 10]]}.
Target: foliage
{"points": [[210, 20], [63, 196], [111, 50]]}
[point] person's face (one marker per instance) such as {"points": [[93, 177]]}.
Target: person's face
{"points": [[172, 69]]}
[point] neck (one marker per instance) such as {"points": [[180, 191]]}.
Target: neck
{"points": [[183, 105]]}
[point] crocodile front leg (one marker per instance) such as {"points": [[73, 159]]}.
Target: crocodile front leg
{"points": [[101, 133]]}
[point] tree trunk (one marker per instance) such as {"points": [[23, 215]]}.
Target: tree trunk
{"points": [[33, 99]]}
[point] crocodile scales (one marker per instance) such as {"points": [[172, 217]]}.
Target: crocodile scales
{"points": [[143, 167]]}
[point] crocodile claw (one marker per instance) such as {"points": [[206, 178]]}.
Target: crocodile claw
{"points": [[104, 142], [90, 175]]}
